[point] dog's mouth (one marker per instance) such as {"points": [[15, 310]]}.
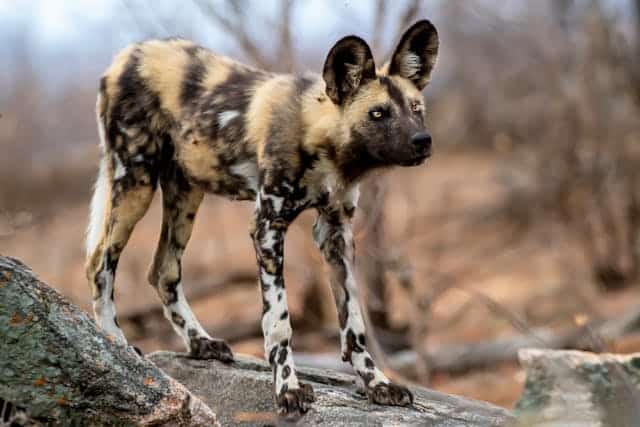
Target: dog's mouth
{"points": [[417, 160]]}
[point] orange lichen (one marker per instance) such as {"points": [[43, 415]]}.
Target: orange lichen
{"points": [[16, 319]]}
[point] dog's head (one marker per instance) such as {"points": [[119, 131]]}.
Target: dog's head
{"points": [[382, 111]]}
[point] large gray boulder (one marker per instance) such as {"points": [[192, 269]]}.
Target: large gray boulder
{"points": [[241, 394], [57, 365], [566, 388], [62, 370]]}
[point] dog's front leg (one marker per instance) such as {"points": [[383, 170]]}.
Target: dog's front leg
{"points": [[270, 225], [332, 233]]}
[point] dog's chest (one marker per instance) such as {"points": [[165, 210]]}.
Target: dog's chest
{"points": [[326, 189]]}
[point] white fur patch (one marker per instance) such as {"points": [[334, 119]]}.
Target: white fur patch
{"points": [[98, 201], [355, 321], [105, 310], [120, 171], [330, 183], [97, 210], [249, 171], [226, 116], [320, 230], [292, 381], [358, 362], [411, 65], [353, 195], [181, 307], [277, 203], [269, 239], [276, 200], [347, 235], [101, 132], [287, 186], [275, 329], [103, 307], [267, 278]]}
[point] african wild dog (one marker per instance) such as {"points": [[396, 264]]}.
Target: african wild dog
{"points": [[174, 113]]}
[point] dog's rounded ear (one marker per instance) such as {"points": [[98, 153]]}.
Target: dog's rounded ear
{"points": [[349, 65], [416, 54]]}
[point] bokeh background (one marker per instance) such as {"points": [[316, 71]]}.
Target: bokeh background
{"points": [[523, 229]]}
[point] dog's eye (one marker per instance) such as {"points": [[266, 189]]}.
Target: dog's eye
{"points": [[376, 114], [416, 107]]}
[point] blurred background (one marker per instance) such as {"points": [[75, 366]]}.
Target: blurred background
{"points": [[522, 230]]}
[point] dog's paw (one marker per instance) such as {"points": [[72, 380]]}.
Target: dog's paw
{"points": [[294, 403], [209, 348], [390, 394]]}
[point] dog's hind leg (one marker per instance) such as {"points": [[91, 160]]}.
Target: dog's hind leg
{"points": [[121, 198], [180, 205]]}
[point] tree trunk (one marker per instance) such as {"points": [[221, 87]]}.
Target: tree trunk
{"points": [[61, 369]]}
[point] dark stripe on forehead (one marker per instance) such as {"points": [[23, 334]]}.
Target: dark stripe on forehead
{"points": [[394, 92]]}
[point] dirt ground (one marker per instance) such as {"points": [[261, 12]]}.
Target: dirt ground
{"points": [[446, 220]]}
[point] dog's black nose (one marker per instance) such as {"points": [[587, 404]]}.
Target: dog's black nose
{"points": [[422, 140]]}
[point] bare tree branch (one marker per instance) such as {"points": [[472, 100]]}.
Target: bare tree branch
{"points": [[143, 24], [408, 16], [378, 26], [462, 357], [235, 25], [286, 54]]}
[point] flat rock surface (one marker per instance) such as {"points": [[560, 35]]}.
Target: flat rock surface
{"points": [[241, 394], [566, 388]]}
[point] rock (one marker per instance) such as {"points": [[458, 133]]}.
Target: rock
{"points": [[241, 393], [57, 365], [575, 388]]}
